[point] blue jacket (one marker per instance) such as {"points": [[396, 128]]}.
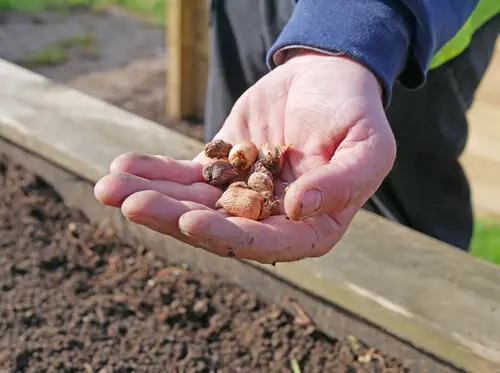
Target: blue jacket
{"points": [[396, 39]]}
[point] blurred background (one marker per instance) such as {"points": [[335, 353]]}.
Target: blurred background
{"points": [[117, 51]]}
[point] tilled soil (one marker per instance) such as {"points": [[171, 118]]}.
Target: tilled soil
{"points": [[74, 298]]}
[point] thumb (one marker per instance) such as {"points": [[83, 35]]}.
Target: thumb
{"points": [[359, 165]]}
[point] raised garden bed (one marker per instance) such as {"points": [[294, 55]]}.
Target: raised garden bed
{"points": [[433, 310]]}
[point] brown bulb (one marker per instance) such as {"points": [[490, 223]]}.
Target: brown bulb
{"points": [[243, 155], [272, 157], [258, 166], [218, 149], [239, 184], [270, 206], [242, 202], [260, 182], [219, 173]]}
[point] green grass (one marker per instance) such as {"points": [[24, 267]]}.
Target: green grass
{"points": [[34, 5], [49, 56], [152, 9], [59, 52], [486, 240], [86, 40]]}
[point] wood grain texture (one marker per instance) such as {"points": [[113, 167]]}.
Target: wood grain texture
{"points": [[86, 133], [187, 57]]}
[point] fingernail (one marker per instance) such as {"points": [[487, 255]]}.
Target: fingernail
{"points": [[203, 245], [187, 234], [311, 202], [198, 242], [147, 221]]}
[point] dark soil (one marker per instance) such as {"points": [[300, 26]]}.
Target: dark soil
{"points": [[74, 298]]}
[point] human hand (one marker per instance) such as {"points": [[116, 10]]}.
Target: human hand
{"points": [[328, 109]]}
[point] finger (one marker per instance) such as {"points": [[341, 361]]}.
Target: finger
{"points": [[113, 189], [275, 239], [201, 159], [161, 213], [356, 170], [158, 167]]}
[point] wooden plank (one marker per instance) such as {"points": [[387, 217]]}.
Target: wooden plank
{"points": [[187, 58], [431, 295], [481, 158], [30, 98]]}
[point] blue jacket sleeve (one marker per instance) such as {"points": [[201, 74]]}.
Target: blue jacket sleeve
{"points": [[396, 39]]}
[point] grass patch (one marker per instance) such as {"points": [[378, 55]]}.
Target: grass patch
{"points": [[152, 9], [86, 40], [48, 56], [486, 240], [36, 5], [59, 52]]}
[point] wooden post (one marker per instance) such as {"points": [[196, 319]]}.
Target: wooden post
{"points": [[187, 57]]}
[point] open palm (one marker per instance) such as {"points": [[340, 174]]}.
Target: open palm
{"points": [[328, 109]]}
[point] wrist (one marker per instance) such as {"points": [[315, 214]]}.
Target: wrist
{"points": [[287, 53], [376, 33], [293, 52]]}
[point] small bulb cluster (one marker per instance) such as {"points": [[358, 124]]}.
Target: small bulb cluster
{"points": [[246, 174]]}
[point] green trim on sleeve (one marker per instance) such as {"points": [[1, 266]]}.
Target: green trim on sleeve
{"points": [[484, 11]]}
